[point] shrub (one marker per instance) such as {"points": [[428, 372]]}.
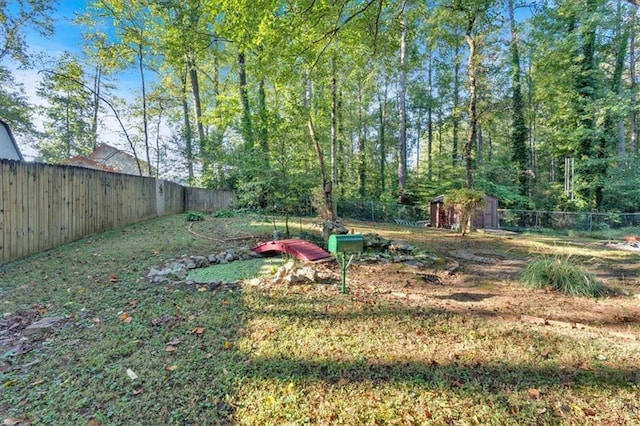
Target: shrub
{"points": [[223, 213], [561, 274], [195, 216]]}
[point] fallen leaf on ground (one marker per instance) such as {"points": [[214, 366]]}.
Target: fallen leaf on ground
{"points": [[198, 330], [171, 367], [533, 393], [132, 375], [127, 320], [123, 316], [12, 421], [170, 348], [174, 342], [93, 422], [588, 412], [203, 288], [96, 320], [113, 278], [227, 345], [138, 391], [191, 317]]}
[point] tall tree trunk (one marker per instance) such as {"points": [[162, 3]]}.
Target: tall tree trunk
{"points": [[334, 124], [188, 133], [402, 113], [327, 189], [472, 72], [216, 143], [430, 118], [621, 38], [479, 145], [67, 127], [263, 130], [633, 116], [340, 142], [590, 147], [97, 86], [382, 104], [360, 155], [247, 132], [197, 107], [158, 148], [456, 105], [145, 121], [418, 131], [519, 149]]}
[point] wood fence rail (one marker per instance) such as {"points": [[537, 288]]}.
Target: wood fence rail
{"points": [[43, 206]]}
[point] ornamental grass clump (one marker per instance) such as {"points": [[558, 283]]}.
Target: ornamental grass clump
{"points": [[561, 274]]}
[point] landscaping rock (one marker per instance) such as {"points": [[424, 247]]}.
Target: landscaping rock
{"points": [[293, 279], [200, 261], [255, 281], [414, 264], [39, 328], [400, 246], [309, 273], [330, 227], [375, 241]]}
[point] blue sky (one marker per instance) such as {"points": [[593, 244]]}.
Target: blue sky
{"points": [[67, 38]]}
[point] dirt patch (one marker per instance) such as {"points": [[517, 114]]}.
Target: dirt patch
{"points": [[21, 330], [479, 276], [491, 290]]}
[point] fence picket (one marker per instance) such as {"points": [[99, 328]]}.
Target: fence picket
{"points": [[43, 206]]}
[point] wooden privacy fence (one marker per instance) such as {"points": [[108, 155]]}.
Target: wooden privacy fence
{"points": [[43, 206]]}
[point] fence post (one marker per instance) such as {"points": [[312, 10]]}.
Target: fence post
{"points": [[159, 197]]}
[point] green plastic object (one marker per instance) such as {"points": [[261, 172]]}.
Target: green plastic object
{"points": [[348, 243], [341, 244]]}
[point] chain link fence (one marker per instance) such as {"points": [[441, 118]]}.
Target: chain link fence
{"points": [[382, 212], [577, 221]]}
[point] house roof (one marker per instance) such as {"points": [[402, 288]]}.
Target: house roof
{"points": [[12, 139], [82, 161], [121, 161], [105, 151]]}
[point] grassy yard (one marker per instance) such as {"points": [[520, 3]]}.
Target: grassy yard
{"points": [[130, 352]]}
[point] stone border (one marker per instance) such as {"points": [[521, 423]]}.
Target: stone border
{"points": [[177, 271]]}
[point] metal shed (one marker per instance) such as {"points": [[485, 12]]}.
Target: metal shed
{"points": [[442, 217]]}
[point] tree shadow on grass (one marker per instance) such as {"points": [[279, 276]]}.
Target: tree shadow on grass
{"points": [[488, 377], [505, 390]]}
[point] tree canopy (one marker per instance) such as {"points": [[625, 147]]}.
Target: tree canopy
{"points": [[302, 102]]}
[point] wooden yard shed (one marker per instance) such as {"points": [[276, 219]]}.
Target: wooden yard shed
{"points": [[442, 217]]}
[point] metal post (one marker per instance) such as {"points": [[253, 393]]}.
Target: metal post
{"points": [[343, 264]]}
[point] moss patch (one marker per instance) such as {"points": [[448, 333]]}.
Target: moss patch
{"points": [[235, 271]]}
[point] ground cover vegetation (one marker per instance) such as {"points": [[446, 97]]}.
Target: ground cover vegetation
{"points": [[442, 344], [286, 101]]}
